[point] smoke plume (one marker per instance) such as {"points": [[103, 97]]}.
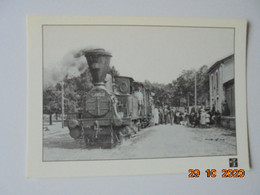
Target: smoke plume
{"points": [[71, 65]]}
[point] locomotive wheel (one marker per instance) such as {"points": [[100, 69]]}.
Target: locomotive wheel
{"points": [[87, 141], [108, 142], [75, 132], [121, 137]]}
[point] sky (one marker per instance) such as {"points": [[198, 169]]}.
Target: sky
{"points": [[157, 54]]}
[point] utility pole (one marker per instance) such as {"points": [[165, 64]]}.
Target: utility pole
{"points": [[195, 91], [62, 103], [188, 100]]}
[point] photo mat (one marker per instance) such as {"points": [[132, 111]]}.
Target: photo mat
{"points": [[139, 51]]}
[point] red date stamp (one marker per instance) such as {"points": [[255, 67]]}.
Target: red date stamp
{"points": [[233, 173], [194, 173], [226, 173]]}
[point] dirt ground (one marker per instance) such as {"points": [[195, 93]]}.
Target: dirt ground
{"points": [[154, 142]]}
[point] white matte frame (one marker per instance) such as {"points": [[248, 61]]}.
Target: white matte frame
{"points": [[37, 168]]}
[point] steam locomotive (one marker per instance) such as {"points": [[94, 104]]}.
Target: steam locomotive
{"points": [[114, 109]]}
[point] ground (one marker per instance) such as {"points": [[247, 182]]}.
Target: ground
{"points": [[154, 142]]}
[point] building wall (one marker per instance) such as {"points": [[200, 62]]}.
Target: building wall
{"points": [[228, 70], [216, 89], [223, 73]]}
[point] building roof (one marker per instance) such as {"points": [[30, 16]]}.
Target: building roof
{"points": [[124, 77], [218, 63]]}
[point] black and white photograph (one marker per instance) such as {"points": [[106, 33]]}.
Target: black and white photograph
{"points": [[135, 95], [122, 92]]}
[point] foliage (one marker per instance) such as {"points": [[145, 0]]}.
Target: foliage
{"points": [[51, 100], [74, 90], [202, 85], [113, 71], [179, 92]]}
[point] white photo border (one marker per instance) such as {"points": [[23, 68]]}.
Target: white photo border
{"points": [[36, 167]]}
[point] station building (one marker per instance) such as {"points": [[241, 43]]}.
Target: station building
{"points": [[222, 90]]}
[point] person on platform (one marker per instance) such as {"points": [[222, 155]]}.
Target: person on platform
{"points": [[185, 118], [139, 95], [166, 113], [207, 118], [213, 110], [156, 116], [225, 109], [192, 119], [197, 119], [161, 114], [171, 113], [178, 117], [217, 117], [202, 117]]}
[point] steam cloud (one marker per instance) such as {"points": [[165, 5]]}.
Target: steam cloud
{"points": [[72, 65]]}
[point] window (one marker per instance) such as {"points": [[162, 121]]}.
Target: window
{"points": [[217, 80], [212, 83], [230, 98]]}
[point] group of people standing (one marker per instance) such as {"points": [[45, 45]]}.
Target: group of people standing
{"points": [[163, 115], [195, 118], [203, 117]]}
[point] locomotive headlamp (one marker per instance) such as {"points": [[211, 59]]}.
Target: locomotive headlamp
{"points": [[75, 129], [73, 123]]}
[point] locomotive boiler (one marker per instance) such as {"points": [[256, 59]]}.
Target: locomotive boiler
{"points": [[114, 109]]}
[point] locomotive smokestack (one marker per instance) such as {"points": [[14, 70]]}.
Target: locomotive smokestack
{"points": [[98, 62]]}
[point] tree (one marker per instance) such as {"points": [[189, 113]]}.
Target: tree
{"points": [[51, 102], [202, 85], [180, 92], [113, 71], [75, 89], [184, 87]]}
